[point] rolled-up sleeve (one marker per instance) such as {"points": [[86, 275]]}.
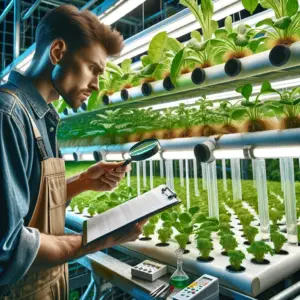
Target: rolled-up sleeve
{"points": [[18, 244]]}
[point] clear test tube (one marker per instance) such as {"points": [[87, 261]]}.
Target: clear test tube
{"points": [[128, 178], [151, 173], [138, 178], [236, 178], [263, 202], [195, 178], [181, 173], [212, 190], [171, 175], [224, 175], [290, 200], [161, 168], [204, 175], [281, 174], [254, 172], [144, 174], [188, 200]]}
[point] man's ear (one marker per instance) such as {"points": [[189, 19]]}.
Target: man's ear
{"points": [[58, 49]]}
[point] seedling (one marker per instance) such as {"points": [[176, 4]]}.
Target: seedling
{"points": [[259, 249], [236, 258]]}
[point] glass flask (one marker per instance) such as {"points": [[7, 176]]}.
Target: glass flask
{"points": [[179, 279]]}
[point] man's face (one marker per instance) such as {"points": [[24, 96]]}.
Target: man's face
{"points": [[77, 74]]}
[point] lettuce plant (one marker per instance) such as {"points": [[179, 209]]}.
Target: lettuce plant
{"points": [[278, 240], [236, 42], [259, 249], [157, 63], [182, 240], [109, 124], [236, 258], [285, 28], [198, 51], [204, 246], [255, 110], [148, 230], [164, 234], [289, 106], [250, 233], [228, 242]]}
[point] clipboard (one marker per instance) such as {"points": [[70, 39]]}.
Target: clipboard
{"points": [[130, 212]]}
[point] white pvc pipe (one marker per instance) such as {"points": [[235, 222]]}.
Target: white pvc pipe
{"points": [[181, 173], [212, 190], [224, 175], [144, 174], [151, 174]]}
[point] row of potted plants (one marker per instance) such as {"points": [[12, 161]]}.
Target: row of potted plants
{"points": [[167, 57], [248, 115]]}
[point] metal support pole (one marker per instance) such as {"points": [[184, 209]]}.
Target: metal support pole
{"points": [[31, 9], [6, 10], [17, 24]]}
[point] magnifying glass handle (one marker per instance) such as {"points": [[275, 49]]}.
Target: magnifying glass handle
{"points": [[127, 162]]}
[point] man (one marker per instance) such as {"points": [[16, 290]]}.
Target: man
{"points": [[71, 50]]}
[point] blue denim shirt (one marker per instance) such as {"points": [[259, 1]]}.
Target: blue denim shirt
{"points": [[20, 172]]}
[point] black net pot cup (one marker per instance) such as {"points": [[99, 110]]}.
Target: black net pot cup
{"points": [[205, 260], [145, 238], [233, 67], [162, 245], [232, 270], [263, 262], [282, 252], [279, 55]]}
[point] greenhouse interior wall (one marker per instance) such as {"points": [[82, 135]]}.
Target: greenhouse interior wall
{"points": [[216, 83]]}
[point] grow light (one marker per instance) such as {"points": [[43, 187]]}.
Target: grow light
{"points": [[87, 157], [114, 156], [119, 10], [228, 153], [68, 157], [185, 154], [277, 152]]}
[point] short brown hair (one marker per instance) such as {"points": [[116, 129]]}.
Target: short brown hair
{"points": [[78, 29]]}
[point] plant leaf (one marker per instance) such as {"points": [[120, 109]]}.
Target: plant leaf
{"points": [[145, 60], [221, 33], [283, 23], [250, 5], [157, 47], [196, 35], [185, 218], [268, 22], [176, 66], [247, 91], [238, 113], [228, 24], [266, 87], [292, 7], [125, 65]]}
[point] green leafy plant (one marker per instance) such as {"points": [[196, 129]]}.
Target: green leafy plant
{"points": [[108, 124], [275, 215], [246, 219], [289, 107], [198, 50], [204, 246], [278, 240], [236, 42], [228, 242], [157, 63], [164, 234], [182, 240], [148, 230], [255, 110], [259, 249], [203, 234], [236, 258], [250, 233], [285, 28]]}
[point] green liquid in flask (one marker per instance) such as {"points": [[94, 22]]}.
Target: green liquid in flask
{"points": [[179, 282]]}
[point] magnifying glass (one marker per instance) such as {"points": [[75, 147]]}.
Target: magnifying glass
{"points": [[143, 150]]}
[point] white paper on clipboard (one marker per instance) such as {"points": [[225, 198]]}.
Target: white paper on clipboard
{"points": [[150, 203]]}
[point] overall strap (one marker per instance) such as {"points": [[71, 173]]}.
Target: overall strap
{"points": [[36, 132]]}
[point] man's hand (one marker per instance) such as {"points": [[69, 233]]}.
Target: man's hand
{"points": [[104, 176], [128, 234]]}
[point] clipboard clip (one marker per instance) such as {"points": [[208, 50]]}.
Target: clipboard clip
{"points": [[168, 192]]}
